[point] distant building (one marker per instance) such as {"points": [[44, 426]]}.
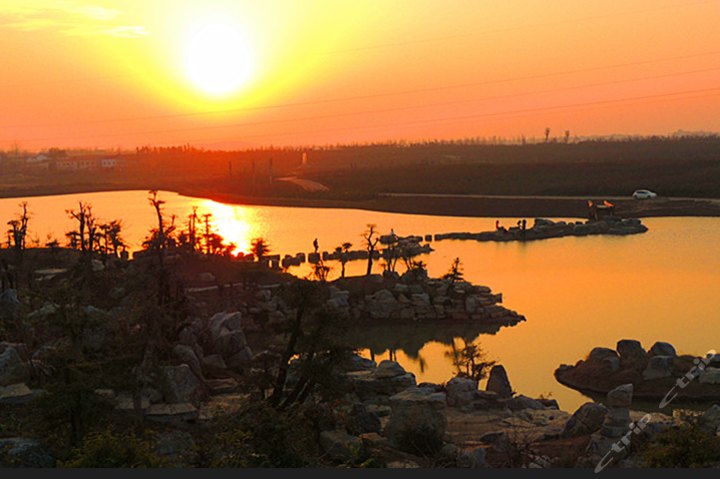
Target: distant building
{"points": [[109, 163], [86, 163]]}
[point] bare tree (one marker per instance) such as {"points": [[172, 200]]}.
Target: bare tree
{"points": [[86, 236], [17, 234], [372, 238], [547, 134], [342, 252]]}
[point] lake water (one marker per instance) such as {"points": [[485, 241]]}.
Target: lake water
{"points": [[576, 292]]}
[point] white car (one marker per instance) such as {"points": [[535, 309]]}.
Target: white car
{"points": [[644, 194]]}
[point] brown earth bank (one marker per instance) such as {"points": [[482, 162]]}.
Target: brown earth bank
{"points": [[470, 206]]}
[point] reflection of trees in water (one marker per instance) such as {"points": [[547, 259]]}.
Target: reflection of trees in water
{"points": [[469, 360], [411, 338]]}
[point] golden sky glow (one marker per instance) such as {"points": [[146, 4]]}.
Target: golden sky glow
{"points": [[229, 73]]}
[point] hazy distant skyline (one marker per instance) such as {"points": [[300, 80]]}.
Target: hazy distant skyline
{"points": [[233, 73]]}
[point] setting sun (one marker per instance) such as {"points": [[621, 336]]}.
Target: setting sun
{"points": [[218, 59]]}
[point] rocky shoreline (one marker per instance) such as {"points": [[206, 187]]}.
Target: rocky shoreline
{"points": [[654, 374], [546, 229]]}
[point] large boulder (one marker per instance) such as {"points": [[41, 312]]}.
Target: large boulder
{"points": [[521, 402], [229, 343], [361, 421], [214, 366], [341, 446], [630, 350], [473, 458], [417, 423], [661, 348], [381, 304], [13, 369], [222, 322], [499, 383], [599, 354], [187, 355], [241, 359], [387, 379], [710, 420], [461, 391], [659, 367], [24, 452], [9, 303], [620, 397], [388, 369], [710, 376], [179, 385], [98, 331], [586, 420]]}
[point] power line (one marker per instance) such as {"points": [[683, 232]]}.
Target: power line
{"points": [[700, 93], [371, 96], [445, 119]]}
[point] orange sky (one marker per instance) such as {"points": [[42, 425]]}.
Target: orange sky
{"points": [[134, 72]]}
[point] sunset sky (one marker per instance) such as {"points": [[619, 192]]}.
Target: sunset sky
{"points": [[235, 73]]}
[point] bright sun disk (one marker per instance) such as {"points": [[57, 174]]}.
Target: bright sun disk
{"points": [[218, 60]]}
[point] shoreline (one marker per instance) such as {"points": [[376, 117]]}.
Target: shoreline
{"points": [[421, 204]]}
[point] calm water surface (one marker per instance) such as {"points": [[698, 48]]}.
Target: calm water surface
{"points": [[577, 293]]}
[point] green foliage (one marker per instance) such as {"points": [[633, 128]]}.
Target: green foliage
{"points": [[261, 436], [683, 447], [108, 449], [422, 441]]}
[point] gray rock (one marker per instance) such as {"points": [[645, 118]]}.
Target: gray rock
{"points": [[229, 343], [241, 359], [460, 391], [187, 355], [388, 369], [418, 421], [499, 383], [367, 385], [659, 367], [630, 350], [15, 394], [474, 458], [710, 376], [617, 417], [98, 331], [13, 369], [662, 349], [214, 365], [9, 303], [598, 354], [358, 363], [180, 385], [586, 420], [24, 452], [519, 403], [611, 363], [621, 396], [222, 322], [341, 446], [172, 413], [710, 420], [361, 421]]}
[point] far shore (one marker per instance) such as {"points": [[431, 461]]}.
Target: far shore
{"points": [[438, 205]]}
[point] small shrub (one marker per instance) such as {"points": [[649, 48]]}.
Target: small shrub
{"points": [[108, 449], [684, 447]]}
